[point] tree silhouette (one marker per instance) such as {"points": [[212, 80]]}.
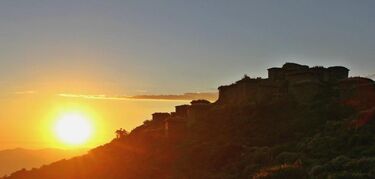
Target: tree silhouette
{"points": [[200, 101], [121, 133]]}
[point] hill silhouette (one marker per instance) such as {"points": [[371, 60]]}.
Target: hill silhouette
{"points": [[12, 160], [300, 122]]}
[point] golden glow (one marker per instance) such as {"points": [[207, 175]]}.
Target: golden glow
{"points": [[37, 116], [73, 128]]}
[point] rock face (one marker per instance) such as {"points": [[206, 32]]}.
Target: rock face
{"points": [[291, 81]]}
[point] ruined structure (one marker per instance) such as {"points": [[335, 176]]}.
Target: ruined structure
{"points": [[197, 109], [294, 72], [159, 116], [292, 80], [181, 110]]}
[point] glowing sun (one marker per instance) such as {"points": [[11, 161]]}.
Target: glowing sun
{"points": [[73, 128]]}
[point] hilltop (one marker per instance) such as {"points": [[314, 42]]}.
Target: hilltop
{"points": [[300, 122]]}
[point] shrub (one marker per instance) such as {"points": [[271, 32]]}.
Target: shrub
{"points": [[281, 172], [287, 157]]}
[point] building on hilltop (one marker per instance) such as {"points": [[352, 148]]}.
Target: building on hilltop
{"points": [[275, 73], [159, 116], [295, 72], [292, 80], [338, 73], [181, 110]]}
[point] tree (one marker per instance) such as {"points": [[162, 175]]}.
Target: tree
{"points": [[200, 101], [121, 133]]}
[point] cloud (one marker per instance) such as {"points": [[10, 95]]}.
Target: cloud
{"points": [[211, 96], [25, 92], [85, 96]]}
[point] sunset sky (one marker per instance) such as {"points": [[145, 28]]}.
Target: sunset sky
{"points": [[92, 56]]}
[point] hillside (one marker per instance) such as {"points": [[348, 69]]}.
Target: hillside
{"points": [[16, 159], [301, 122]]}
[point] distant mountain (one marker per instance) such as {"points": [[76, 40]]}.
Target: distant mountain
{"points": [[301, 122], [12, 160]]}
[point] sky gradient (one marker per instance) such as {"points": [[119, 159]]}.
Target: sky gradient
{"points": [[175, 46], [156, 47]]}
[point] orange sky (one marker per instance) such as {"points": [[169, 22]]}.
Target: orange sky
{"points": [[27, 119]]}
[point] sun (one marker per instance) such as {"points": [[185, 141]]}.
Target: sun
{"points": [[73, 128]]}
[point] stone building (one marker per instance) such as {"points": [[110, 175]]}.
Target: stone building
{"points": [[338, 73], [197, 110], [181, 110], [159, 116], [295, 72], [275, 73], [291, 80]]}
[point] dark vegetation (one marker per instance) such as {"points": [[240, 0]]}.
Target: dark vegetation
{"points": [[332, 136]]}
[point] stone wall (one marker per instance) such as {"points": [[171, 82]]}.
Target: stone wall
{"points": [[196, 111], [160, 116], [275, 73], [241, 91], [294, 72], [338, 73], [291, 79], [181, 110], [304, 92]]}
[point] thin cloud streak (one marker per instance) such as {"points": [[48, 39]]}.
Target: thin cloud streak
{"points": [[103, 97], [25, 92], [211, 96]]}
